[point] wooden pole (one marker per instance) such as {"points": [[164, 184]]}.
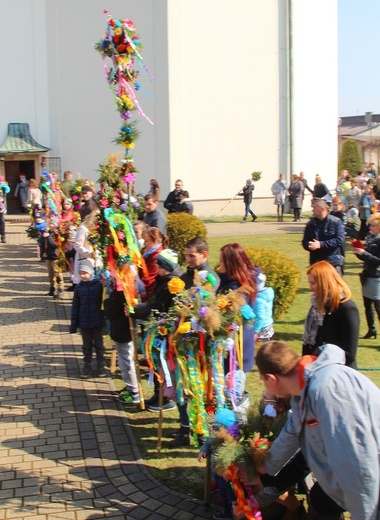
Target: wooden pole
{"points": [[231, 199], [160, 416], [206, 499], [137, 364]]}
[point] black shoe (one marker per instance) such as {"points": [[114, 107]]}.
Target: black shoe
{"points": [[51, 291], [3, 240], [254, 218], [176, 433], [181, 440], [86, 372], [152, 401], [370, 334]]}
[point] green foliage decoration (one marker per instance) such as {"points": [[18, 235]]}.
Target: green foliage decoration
{"points": [[256, 176], [282, 275], [183, 227], [350, 158]]}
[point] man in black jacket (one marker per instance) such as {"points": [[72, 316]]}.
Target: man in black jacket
{"points": [[324, 236], [173, 198]]}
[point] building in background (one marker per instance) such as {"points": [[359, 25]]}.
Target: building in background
{"points": [[365, 130], [239, 87]]}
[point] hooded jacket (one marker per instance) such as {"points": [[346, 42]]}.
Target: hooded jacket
{"points": [[336, 423], [86, 311]]}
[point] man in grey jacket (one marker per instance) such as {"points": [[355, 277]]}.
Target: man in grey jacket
{"points": [[335, 421]]}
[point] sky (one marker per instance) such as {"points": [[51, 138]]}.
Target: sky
{"points": [[359, 56]]}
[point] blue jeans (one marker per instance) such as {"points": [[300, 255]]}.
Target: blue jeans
{"points": [[248, 211]]}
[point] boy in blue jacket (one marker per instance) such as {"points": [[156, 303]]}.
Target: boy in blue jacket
{"points": [[87, 315]]}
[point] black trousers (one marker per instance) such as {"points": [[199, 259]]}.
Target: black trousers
{"points": [[2, 225], [369, 304], [93, 339]]}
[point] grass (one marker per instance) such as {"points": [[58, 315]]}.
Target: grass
{"points": [[179, 468]]}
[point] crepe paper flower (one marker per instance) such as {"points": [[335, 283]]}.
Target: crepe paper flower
{"points": [[74, 197], [247, 312], [104, 203], [222, 302], [270, 411], [120, 235], [229, 344], [184, 328], [162, 331], [175, 285], [130, 178], [203, 311], [123, 206]]}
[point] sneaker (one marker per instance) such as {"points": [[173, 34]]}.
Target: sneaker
{"points": [[181, 440], [127, 397], [169, 405], [152, 401], [86, 372], [59, 294], [102, 372]]}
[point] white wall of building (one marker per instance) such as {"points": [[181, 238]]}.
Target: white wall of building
{"points": [[219, 103], [315, 100]]}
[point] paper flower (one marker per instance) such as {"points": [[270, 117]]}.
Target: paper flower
{"points": [[222, 302], [176, 285], [184, 328]]}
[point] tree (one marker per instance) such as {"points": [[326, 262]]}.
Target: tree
{"points": [[350, 158]]}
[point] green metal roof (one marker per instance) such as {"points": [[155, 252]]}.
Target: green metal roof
{"points": [[19, 140]]}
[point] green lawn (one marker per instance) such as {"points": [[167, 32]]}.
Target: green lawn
{"points": [[179, 467]]}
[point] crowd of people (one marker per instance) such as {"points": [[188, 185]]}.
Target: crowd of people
{"points": [[335, 410]]}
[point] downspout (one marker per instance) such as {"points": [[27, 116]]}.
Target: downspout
{"points": [[291, 88]]}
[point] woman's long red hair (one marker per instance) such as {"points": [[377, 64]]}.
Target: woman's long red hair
{"points": [[239, 267]]}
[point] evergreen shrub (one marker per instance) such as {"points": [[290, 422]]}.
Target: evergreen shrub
{"points": [[282, 275], [183, 227], [350, 158]]}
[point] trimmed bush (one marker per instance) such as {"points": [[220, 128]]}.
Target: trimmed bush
{"points": [[282, 275], [183, 227], [350, 158]]}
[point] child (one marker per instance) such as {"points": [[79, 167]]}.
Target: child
{"points": [[184, 205], [352, 227], [40, 226], [87, 315], [263, 309], [241, 398], [50, 252], [121, 334]]}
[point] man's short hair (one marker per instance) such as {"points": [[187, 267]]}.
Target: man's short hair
{"points": [[150, 196], [199, 243], [276, 357], [320, 202]]}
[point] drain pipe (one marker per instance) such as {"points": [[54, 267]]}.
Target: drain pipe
{"points": [[291, 88]]}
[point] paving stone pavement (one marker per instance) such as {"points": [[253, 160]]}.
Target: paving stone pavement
{"points": [[67, 451]]}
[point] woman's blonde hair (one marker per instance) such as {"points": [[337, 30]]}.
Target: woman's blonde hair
{"points": [[331, 289], [374, 219]]}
